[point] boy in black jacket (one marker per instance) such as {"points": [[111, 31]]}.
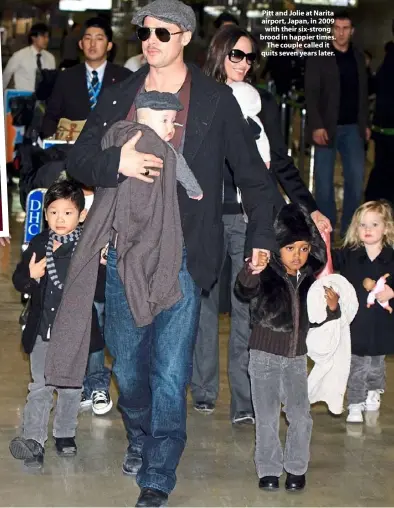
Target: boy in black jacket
{"points": [[278, 366], [42, 273]]}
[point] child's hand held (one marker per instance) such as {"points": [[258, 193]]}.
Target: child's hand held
{"points": [[259, 261]]}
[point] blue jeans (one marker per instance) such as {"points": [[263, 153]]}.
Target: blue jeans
{"points": [[350, 145], [98, 376], [153, 367]]}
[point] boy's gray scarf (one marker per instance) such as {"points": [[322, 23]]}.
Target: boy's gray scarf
{"points": [[149, 255], [50, 265]]}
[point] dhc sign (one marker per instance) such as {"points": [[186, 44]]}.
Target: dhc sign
{"points": [[34, 222]]}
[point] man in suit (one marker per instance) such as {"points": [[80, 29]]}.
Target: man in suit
{"points": [[77, 89], [153, 364], [336, 92]]}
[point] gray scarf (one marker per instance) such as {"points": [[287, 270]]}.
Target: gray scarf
{"points": [[51, 267]]}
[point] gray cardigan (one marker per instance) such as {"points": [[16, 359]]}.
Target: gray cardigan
{"points": [[148, 260]]}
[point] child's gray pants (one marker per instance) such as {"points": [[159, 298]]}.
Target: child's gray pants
{"points": [[366, 373], [40, 401], [276, 379]]}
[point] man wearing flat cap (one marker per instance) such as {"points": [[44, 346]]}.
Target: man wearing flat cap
{"points": [[153, 363]]}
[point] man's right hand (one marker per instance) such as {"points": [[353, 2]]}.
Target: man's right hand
{"points": [[135, 164], [320, 137]]}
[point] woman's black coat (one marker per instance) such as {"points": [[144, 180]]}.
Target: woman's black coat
{"points": [[282, 168]]}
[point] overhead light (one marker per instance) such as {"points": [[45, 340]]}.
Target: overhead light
{"points": [[254, 14], [83, 5], [213, 11], [217, 10]]}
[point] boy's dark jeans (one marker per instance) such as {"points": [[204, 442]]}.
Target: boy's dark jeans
{"points": [[98, 376], [276, 379]]}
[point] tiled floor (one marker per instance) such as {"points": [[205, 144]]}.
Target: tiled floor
{"points": [[351, 465]]}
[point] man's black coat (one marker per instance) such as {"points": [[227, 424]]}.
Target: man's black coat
{"points": [[215, 131], [323, 93], [70, 98]]}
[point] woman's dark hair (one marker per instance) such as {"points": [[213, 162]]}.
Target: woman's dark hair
{"points": [[36, 30], [98, 23], [222, 43], [65, 189], [225, 17]]}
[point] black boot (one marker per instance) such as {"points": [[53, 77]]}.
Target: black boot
{"points": [[132, 462], [152, 497], [65, 446], [295, 482], [269, 483], [28, 450]]}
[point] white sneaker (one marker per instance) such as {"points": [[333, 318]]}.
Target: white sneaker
{"points": [[102, 402], [373, 400], [355, 413]]}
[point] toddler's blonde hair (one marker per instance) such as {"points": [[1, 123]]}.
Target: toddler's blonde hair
{"points": [[384, 209]]}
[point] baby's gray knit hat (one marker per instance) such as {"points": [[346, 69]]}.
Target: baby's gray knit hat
{"points": [[158, 100]]}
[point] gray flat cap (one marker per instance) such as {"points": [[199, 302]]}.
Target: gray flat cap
{"points": [[158, 100], [170, 11]]}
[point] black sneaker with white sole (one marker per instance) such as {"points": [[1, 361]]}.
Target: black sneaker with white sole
{"points": [[102, 402], [65, 446], [204, 407], [86, 403], [243, 417]]}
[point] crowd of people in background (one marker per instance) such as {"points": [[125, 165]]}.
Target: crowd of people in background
{"points": [[160, 345]]}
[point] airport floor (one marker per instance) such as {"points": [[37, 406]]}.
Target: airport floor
{"points": [[351, 465]]}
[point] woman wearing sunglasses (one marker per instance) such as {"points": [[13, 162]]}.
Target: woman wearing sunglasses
{"points": [[233, 56]]}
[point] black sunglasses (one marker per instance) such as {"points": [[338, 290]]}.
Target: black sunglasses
{"points": [[236, 56], [144, 32]]}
